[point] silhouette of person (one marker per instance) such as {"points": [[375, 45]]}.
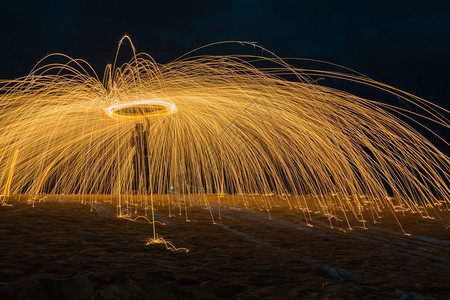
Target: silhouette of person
{"points": [[139, 141]]}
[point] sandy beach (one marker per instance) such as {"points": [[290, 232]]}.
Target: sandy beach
{"points": [[69, 250]]}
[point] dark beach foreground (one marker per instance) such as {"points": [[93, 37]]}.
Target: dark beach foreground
{"points": [[69, 250]]}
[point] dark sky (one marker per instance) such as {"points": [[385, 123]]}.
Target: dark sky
{"points": [[403, 43]]}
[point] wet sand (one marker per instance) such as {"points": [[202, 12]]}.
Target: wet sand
{"points": [[69, 250]]}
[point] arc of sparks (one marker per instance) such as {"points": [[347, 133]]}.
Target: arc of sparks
{"points": [[244, 131], [10, 175]]}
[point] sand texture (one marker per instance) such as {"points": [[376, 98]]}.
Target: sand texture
{"points": [[69, 250]]}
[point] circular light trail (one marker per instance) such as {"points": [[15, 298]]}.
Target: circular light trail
{"points": [[141, 109]]}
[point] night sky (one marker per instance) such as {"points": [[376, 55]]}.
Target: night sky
{"points": [[402, 43]]}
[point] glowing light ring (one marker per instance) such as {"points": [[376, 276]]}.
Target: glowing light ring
{"points": [[160, 108]]}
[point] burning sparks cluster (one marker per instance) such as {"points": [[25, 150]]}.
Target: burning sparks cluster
{"points": [[218, 125]]}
